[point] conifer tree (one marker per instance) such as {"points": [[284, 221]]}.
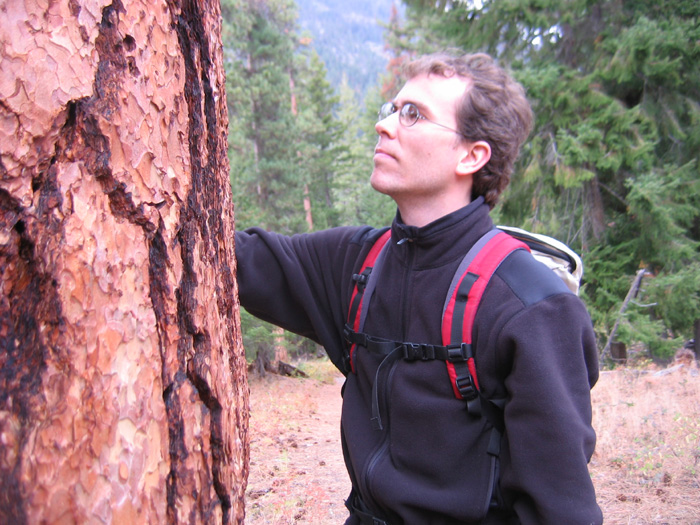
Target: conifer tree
{"points": [[355, 200], [318, 135], [612, 165], [283, 135]]}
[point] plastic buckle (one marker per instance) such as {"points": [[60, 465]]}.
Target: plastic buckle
{"points": [[459, 353], [466, 387], [354, 338], [412, 352], [419, 351]]}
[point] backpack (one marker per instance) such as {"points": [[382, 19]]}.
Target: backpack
{"points": [[460, 308]]}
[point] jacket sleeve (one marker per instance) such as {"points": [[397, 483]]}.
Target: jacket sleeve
{"points": [[299, 282], [552, 364]]}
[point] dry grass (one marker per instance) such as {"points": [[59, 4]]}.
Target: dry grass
{"points": [[297, 473], [646, 468]]}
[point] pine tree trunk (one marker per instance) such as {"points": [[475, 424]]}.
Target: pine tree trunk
{"points": [[123, 394], [595, 209], [281, 354]]}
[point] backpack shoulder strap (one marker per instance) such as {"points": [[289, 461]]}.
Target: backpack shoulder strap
{"points": [[363, 290], [462, 303]]}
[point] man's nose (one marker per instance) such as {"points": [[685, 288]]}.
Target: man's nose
{"points": [[388, 125]]}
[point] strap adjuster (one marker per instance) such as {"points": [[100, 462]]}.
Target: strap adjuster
{"points": [[362, 278], [353, 337], [459, 353], [465, 385]]}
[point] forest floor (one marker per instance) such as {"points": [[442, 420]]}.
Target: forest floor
{"points": [[646, 468]]}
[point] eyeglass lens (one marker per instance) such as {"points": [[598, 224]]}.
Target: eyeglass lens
{"points": [[385, 110], [408, 115]]}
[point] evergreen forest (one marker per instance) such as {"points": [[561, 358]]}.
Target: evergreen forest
{"points": [[611, 168]]}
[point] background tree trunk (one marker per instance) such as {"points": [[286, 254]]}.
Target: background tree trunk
{"points": [[123, 394]]}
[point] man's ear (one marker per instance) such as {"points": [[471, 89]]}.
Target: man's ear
{"points": [[475, 155]]}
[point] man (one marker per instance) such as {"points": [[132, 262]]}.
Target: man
{"points": [[446, 148]]}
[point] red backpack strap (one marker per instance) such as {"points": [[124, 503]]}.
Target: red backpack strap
{"points": [[362, 290], [462, 302]]}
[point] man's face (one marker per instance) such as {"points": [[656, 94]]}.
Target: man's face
{"points": [[417, 165]]}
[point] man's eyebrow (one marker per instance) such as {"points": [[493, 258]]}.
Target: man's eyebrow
{"points": [[421, 106]]}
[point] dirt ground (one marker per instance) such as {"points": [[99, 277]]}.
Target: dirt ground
{"points": [[297, 474], [646, 468]]}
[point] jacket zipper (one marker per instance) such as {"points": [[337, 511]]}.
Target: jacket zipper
{"points": [[383, 447], [407, 288]]}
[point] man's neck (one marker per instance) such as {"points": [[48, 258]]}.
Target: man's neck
{"points": [[421, 215]]}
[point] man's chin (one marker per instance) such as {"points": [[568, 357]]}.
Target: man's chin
{"points": [[377, 183]]}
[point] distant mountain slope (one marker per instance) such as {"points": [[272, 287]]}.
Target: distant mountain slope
{"points": [[348, 37]]}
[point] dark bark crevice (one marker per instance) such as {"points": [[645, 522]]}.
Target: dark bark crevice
{"points": [[32, 327], [177, 451], [202, 222]]}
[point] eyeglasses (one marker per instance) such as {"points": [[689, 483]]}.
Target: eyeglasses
{"points": [[409, 114]]}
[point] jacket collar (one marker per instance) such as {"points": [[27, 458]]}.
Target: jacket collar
{"points": [[444, 239]]}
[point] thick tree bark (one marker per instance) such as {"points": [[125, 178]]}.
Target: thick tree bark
{"points": [[123, 395]]}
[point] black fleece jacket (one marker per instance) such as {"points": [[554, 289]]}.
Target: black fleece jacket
{"points": [[535, 350]]}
